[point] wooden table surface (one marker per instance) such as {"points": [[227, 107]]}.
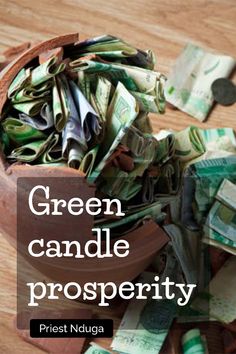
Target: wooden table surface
{"points": [[164, 26]]}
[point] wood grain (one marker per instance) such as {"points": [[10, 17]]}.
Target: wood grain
{"points": [[165, 27]]}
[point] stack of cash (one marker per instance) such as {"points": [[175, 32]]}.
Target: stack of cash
{"points": [[87, 107]]}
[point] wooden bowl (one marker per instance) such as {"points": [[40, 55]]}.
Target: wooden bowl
{"points": [[144, 242]]}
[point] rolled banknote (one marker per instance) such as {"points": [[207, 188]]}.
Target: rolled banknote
{"points": [[88, 117], [189, 85], [31, 108], [145, 80], [53, 153], [192, 342], [142, 122], [118, 183], [106, 46], [169, 178], [182, 247], [147, 103], [88, 161], [166, 146], [148, 187], [138, 142], [21, 133], [109, 46], [74, 143], [46, 71], [92, 68], [29, 94], [42, 121], [75, 154], [145, 59], [122, 112], [218, 300], [21, 79], [31, 151], [102, 95], [59, 104], [189, 144]]}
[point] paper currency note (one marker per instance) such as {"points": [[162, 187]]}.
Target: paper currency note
{"points": [[96, 349], [21, 133], [221, 139], [214, 238], [185, 254], [46, 71], [192, 342], [27, 94], [53, 153], [19, 81], [189, 144], [121, 114], [226, 194], [31, 108], [42, 121], [218, 301], [59, 103], [74, 143], [88, 161], [208, 175], [31, 151], [189, 84], [102, 95], [142, 122], [222, 219], [132, 337], [89, 119]]}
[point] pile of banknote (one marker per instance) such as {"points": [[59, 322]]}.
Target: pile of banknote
{"points": [[87, 107]]}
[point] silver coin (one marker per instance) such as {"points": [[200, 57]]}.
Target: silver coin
{"points": [[224, 91]]}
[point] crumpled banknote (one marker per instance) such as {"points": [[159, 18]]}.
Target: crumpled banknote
{"points": [[189, 84]]}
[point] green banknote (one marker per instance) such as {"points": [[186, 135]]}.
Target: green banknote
{"points": [[21, 79], [208, 176], [46, 71], [96, 349], [144, 326], [219, 139], [102, 95], [29, 94], [19, 132], [218, 300], [53, 153], [189, 144], [31, 151], [121, 114], [189, 84], [192, 342], [59, 104], [31, 108]]}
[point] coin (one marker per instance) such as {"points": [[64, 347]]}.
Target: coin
{"points": [[224, 91], [157, 316]]}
